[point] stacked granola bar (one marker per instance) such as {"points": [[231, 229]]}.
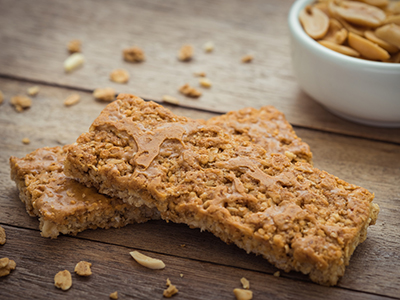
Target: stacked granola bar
{"points": [[245, 177]]}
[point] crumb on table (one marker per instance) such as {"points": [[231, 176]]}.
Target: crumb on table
{"points": [[186, 53], [133, 54], [82, 268], [104, 94], [114, 295], [189, 91], [170, 290], [6, 266], [21, 102], [63, 280], [247, 58], [119, 76], [74, 46], [26, 141]]}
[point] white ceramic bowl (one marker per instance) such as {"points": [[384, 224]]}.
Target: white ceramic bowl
{"points": [[359, 90]]}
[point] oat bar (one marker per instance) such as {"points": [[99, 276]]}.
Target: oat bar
{"points": [[296, 216], [64, 205]]}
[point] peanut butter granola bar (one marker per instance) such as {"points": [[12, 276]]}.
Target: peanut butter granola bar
{"points": [[64, 205], [296, 216]]}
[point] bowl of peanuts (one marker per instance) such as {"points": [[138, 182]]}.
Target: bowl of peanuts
{"points": [[346, 56]]}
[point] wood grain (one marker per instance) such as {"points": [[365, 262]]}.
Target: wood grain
{"points": [[36, 48], [374, 165], [114, 270]]}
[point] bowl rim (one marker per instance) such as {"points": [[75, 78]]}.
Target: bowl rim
{"points": [[297, 31]]}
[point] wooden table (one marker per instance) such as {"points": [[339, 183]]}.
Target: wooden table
{"points": [[33, 38]]}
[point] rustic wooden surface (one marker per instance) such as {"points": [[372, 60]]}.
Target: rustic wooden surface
{"points": [[33, 35]]}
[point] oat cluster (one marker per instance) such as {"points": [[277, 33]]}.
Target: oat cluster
{"points": [[21, 102], [63, 280], [170, 290], [6, 266], [133, 54], [189, 91]]}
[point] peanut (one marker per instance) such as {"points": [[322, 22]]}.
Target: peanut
{"points": [[147, 261], [73, 62], [360, 13], [367, 48], [314, 21], [339, 48], [390, 33], [336, 33], [370, 35]]}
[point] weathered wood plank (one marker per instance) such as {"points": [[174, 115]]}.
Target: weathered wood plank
{"points": [[35, 49], [38, 260], [374, 165]]}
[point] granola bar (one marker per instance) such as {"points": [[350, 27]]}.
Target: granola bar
{"points": [[62, 204], [296, 216]]}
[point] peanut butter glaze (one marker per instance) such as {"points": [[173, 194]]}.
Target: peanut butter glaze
{"points": [[60, 200], [297, 216], [266, 127]]}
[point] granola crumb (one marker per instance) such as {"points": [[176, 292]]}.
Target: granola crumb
{"points": [[104, 94], [26, 141], [133, 54], [1, 97], [114, 296], [183, 245], [82, 268], [170, 100], [181, 275], [74, 46], [209, 46], [6, 266], [205, 82], [2, 236], [21, 102], [247, 58], [33, 90], [199, 74], [170, 290], [241, 294], [245, 283], [72, 100], [63, 280], [189, 91], [4, 262], [186, 53], [119, 76], [277, 274]]}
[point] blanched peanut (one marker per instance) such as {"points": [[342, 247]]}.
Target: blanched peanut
{"points": [[323, 6], [367, 48], [314, 21], [147, 261], [336, 33], [360, 13], [370, 35], [339, 48], [389, 33]]}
